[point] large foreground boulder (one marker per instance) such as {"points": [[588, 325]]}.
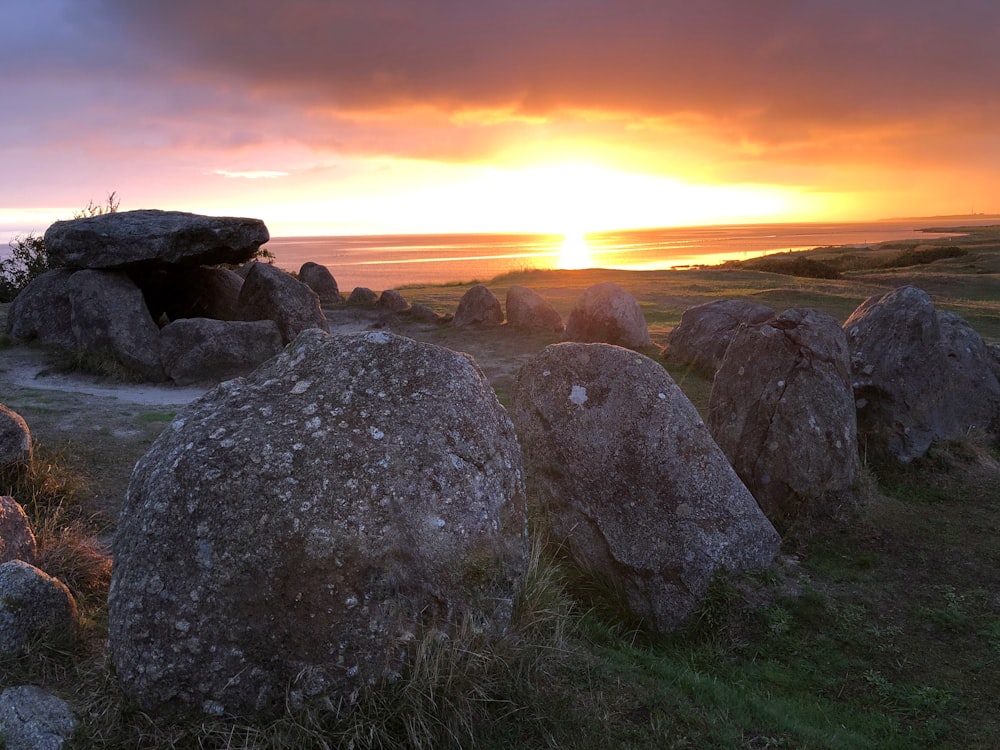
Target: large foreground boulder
{"points": [[920, 375], [196, 350], [17, 540], [109, 316], [126, 239], [701, 338], [782, 410], [34, 606], [295, 533], [15, 438], [609, 314], [527, 310], [269, 293], [478, 307], [628, 478]]}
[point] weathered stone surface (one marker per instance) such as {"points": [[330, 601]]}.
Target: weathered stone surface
{"points": [[180, 292], [109, 315], [15, 438], [529, 311], [41, 311], [919, 375], [425, 314], [629, 478], [124, 239], [362, 295], [478, 307], [297, 530], [701, 338], [32, 605], [197, 350], [392, 301], [606, 313], [320, 280], [32, 719], [269, 293], [782, 410], [17, 541]]}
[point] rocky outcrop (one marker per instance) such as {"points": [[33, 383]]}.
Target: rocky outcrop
{"points": [[527, 310], [320, 280], [782, 410], [628, 478], [33, 606], [127, 239], [198, 350], [606, 313], [919, 375], [15, 438], [701, 338], [478, 307], [108, 315], [42, 312], [269, 293], [32, 719], [296, 533], [17, 541]]}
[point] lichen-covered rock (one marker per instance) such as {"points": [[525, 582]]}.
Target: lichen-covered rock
{"points": [[269, 293], [109, 316], [782, 410], [320, 280], [299, 530], [41, 311], [606, 313], [15, 438], [197, 350], [127, 239], [478, 307], [17, 540], [32, 719], [701, 338], [527, 310], [919, 375], [33, 605], [629, 479]]}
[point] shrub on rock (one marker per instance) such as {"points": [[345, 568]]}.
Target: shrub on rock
{"points": [[301, 529], [628, 478], [606, 313]]}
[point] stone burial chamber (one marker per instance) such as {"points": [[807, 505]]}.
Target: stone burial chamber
{"points": [[122, 280]]}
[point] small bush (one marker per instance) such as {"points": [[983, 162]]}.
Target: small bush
{"points": [[795, 266], [922, 256]]}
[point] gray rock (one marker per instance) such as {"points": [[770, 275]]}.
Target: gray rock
{"points": [[32, 719], [109, 316], [529, 311], [320, 280], [41, 311], [628, 478], [33, 605], [15, 438], [782, 410], [125, 239], [302, 529], [17, 541], [606, 313], [392, 301], [269, 293], [362, 295], [478, 307], [701, 338], [180, 292], [919, 375], [425, 314], [198, 350]]}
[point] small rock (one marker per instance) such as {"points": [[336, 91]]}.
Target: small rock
{"points": [[32, 719], [15, 438], [17, 541], [320, 280], [606, 313], [478, 307], [362, 296], [527, 310], [32, 605]]}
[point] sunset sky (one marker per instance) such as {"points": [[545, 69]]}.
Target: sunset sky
{"points": [[384, 116]]}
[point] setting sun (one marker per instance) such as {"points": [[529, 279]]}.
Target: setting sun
{"points": [[574, 252]]}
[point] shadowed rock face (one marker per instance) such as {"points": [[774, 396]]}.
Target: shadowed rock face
{"points": [[268, 293], [42, 311], [320, 280], [607, 313], [478, 307], [527, 310], [919, 375], [124, 239], [704, 333], [195, 350], [298, 530], [628, 477], [33, 606], [782, 410]]}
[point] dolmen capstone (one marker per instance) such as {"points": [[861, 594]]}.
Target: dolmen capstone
{"points": [[123, 276], [478, 307], [782, 410], [297, 533], [628, 479], [527, 310], [606, 313], [920, 375], [701, 338]]}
